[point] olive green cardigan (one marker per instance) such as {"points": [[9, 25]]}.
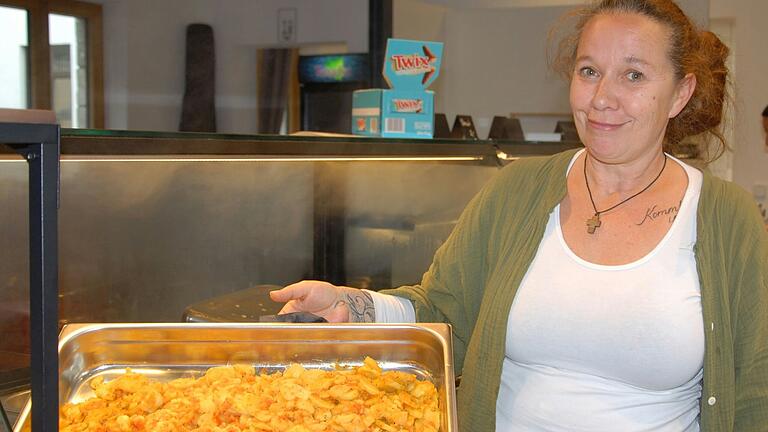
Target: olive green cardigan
{"points": [[475, 274]]}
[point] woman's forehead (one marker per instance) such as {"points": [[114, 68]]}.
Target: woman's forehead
{"points": [[633, 38]]}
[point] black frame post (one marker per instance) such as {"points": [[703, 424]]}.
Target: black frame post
{"points": [[329, 223], [39, 144], [379, 30]]}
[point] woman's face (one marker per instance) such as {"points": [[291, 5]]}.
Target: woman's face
{"points": [[624, 90]]}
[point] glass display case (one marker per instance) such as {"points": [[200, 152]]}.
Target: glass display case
{"points": [[150, 223]]}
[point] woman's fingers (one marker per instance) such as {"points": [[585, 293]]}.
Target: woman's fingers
{"points": [[295, 291], [316, 297]]}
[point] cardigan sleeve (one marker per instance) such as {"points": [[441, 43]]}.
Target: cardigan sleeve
{"points": [[451, 290], [749, 312]]}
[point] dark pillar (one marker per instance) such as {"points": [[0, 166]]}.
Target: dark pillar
{"points": [[379, 30], [39, 144]]}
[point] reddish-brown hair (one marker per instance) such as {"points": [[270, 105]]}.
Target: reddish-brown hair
{"points": [[691, 50]]}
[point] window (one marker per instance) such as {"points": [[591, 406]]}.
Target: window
{"points": [[14, 51], [69, 69], [52, 57]]}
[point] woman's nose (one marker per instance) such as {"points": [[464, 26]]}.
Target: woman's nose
{"points": [[604, 97]]}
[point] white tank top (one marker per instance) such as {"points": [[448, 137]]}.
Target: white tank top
{"points": [[607, 348]]}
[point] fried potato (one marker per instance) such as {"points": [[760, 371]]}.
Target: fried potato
{"points": [[237, 399]]}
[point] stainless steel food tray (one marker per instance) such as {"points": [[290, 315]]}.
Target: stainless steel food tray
{"points": [[169, 351]]}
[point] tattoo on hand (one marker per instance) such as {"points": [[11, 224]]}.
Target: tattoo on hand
{"points": [[360, 305], [654, 213]]}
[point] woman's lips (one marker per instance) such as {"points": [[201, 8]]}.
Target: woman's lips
{"points": [[604, 126]]}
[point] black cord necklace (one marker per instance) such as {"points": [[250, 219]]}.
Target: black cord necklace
{"points": [[594, 222]]}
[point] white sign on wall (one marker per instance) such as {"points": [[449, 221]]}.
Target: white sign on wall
{"points": [[286, 25]]}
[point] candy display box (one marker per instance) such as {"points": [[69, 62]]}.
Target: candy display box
{"points": [[406, 110]]}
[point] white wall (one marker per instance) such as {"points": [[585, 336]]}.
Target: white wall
{"points": [[414, 19], [697, 10], [495, 58], [750, 159], [496, 64], [145, 50]]}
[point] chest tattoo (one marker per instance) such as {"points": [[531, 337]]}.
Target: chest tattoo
{"points": [[655, 212]]}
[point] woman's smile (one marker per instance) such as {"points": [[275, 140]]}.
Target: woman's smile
{"points": [[605, 126]]}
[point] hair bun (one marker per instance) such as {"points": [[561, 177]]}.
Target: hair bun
{"points": [[712, 47], [714, 54]]}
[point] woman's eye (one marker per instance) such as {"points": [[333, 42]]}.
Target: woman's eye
{"points": [[587, 72], [634, 76]]}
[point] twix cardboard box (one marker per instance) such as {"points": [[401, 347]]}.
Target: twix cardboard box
{"points": [[406, 109]]}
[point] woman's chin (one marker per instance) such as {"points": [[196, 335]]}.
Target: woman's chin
{"points": [[606, 151]]}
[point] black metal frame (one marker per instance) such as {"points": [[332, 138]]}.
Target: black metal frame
{"points": [[329, 227], [379, 30], [39, 145]]}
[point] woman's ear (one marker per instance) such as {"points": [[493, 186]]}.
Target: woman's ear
{"points": [[683, 94]]}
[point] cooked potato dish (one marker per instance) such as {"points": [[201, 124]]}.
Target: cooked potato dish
{"points": [[236, 398]]}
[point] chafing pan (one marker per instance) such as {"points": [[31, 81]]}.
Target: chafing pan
{"points": [[169, 351]]}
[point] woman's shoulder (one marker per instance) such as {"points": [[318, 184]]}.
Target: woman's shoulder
{"points": [[538, 168], [725, 203], [717, 193], [556, 160], [539, 179]]}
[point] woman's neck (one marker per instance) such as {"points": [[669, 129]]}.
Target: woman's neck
{"points": [[622, 178]]}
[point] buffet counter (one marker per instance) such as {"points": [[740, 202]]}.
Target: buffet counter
{"points": [[150, 223]]}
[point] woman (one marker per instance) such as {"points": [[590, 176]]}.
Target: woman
{"points": [[622, 290], [765, 125]]}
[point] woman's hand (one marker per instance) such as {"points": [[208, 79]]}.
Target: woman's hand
{"points": [[334, 303]]}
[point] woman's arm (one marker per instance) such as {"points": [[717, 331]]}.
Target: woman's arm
{"points": [[451, 290]]}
